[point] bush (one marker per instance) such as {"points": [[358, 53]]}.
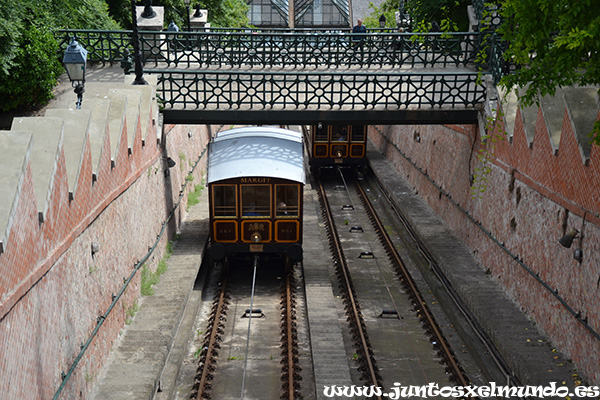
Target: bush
{"points": [[33, 70], [29, 61]]}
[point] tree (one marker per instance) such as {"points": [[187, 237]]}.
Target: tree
{"points": [[552, 44], [29, 59], [226, 13], [221, 13], [451, 15]]}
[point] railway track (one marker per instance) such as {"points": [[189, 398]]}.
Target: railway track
{"points": [[370, 281], [266, 329], [391, 339], [421, 307], [357, 325]]}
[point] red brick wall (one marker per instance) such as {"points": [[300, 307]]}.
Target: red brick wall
{"points": [[52, 289], [531, 196]]}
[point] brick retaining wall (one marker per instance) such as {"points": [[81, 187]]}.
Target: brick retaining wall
{"points": [[532, 196], [54, 288]]}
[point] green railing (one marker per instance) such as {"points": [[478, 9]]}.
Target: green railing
{"points": [[281, 49], [226, 90]]}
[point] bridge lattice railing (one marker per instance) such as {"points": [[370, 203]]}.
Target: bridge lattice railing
{"points": [[314, 90], [282, 49]]}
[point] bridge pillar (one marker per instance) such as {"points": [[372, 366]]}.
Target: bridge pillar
{"points": [[200, 21], [155, 23]]}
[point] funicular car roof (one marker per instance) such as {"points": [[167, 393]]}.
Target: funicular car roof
{"points": [[256, 152]]}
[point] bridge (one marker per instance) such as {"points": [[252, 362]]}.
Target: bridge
{"points": [[243, 76]]}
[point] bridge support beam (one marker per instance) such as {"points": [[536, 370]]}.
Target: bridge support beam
{"points": [[304, 117]]}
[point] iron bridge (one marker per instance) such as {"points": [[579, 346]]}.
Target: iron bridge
{"points": [[256, 77]]}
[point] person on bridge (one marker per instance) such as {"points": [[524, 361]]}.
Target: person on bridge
{"points": [[359, 28], [358, 37]]}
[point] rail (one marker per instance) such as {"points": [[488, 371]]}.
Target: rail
{"points": [[317, 90], [370, 370], [279, 48], [210, 349], [414, 292]]}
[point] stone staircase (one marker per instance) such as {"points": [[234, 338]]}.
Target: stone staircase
{"points": [[107, 123], [581, 105]]}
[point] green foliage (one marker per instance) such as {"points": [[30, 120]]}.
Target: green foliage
{"points": [[387, 9], [30, 70], [553, 43], [451, 15], [495, 132], [150, 278], [29, 66], [226, 13], [130, 313], [194, 197], [221, 13], [120, 11]]}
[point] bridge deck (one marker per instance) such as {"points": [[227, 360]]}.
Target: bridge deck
{"points": [[252, 95], [247, 77]]}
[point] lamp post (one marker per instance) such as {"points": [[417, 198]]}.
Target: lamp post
{"points": [[75, 62], [382, 21], [198, 13], [148, 11], [137, 54], [187, 12]]}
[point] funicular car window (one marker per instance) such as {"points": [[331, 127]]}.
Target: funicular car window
{"points": [[339, 133], [256, 200], [224, 201], [287, 200], [320, 133], [358, 133]]}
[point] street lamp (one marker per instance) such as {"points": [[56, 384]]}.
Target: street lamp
{"points": [[137, 54], [198, 13], [148, 11], [187, 12], [75, 61], [382, 21]]}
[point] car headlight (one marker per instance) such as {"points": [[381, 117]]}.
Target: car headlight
{"points": [[255, 237]]}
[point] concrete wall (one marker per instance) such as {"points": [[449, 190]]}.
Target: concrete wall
{"points": [[531, 195], [53, 287]]}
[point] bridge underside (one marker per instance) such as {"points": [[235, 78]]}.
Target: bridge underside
{"points": [[301, 117]]}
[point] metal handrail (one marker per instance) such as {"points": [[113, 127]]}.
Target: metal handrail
{"points": [[284, 49]]}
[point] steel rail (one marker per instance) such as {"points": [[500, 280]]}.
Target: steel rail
{"points": [[289, 335], [391, 250], [343, 267], [212, 339]]}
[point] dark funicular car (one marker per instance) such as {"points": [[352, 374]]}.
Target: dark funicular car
{"points": [[337, 144]]}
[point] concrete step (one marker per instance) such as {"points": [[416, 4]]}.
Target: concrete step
{"points": [[125, 114], [98, 129], [76, 127], [580, 104], [48, 134], [553, 110], [148, 108], [16, 147]]}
